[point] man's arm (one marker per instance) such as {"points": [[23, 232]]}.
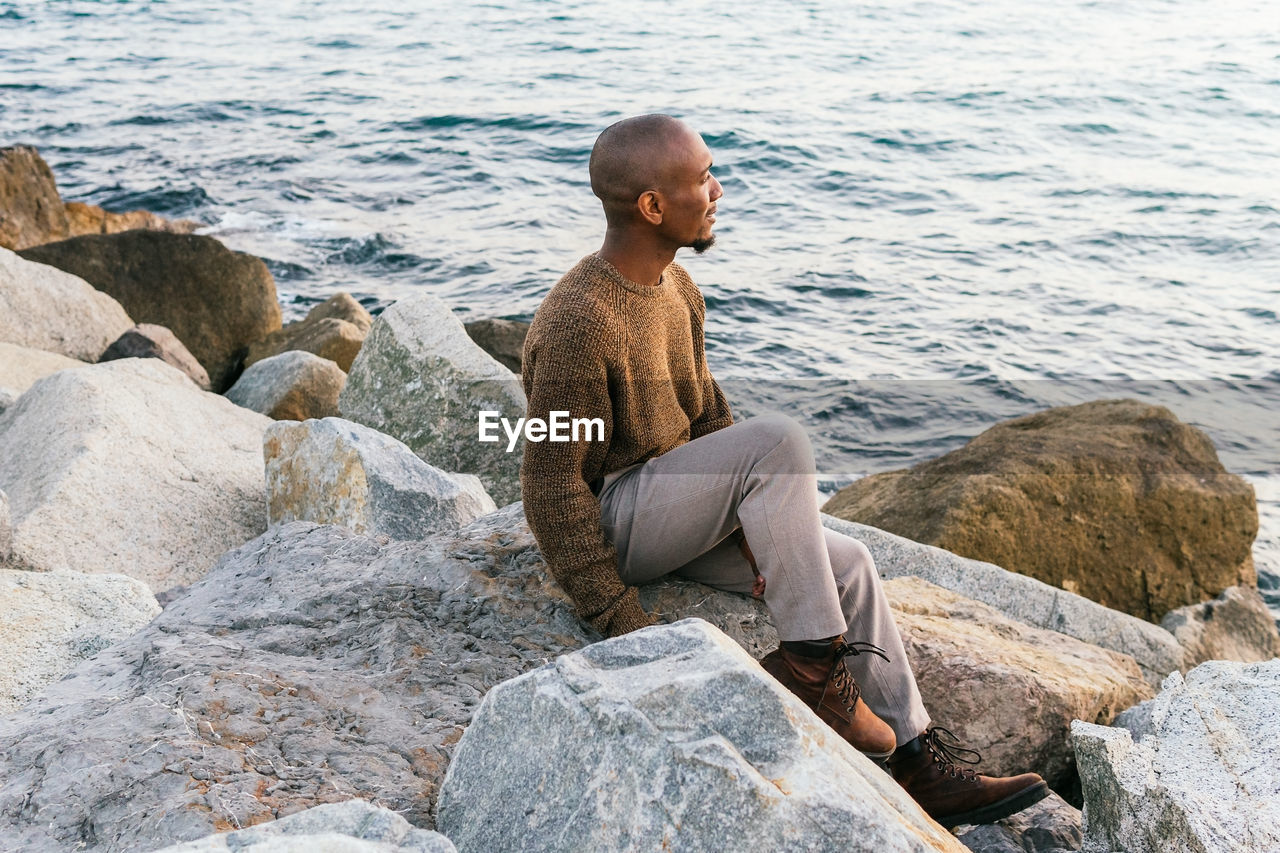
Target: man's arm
{"points": [[563, 513]]}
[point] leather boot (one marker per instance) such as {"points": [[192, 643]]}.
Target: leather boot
{"points": [[825, 685], [927, 768]]}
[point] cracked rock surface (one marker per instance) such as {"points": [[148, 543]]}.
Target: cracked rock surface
{"points": [[1198, 772]]}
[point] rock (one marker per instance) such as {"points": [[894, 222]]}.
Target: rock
{"points": [[310, 665], [333, 471], [291, 386], [20, 367], [354, 826], [54, 620], [334, 329], [31, 211], [1115, 500], [46, 309], [1008, 690], [1021, 598], [419, 378], [216, 301], [1050, 826], [147, 340], [6, 528], [1203, 776], [1235, 626], [502, 339], [91, 219], [127, 467], [670, 737]]}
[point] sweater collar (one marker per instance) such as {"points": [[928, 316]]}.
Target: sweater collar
{"points": [[664, 287]]}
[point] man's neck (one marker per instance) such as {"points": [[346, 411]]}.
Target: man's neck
{"points": [[640, 261]]}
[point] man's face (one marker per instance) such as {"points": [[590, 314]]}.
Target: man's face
{"points": [[690, 193]]}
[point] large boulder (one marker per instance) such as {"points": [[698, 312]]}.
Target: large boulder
{"points": [[1199, 776], [127, 467], [292, 386], [419, 378], [54, 620], [1008, 690], [20, 367], [353, 826], [502, 339], [1021, 598], [1115, 500], [31, 211], [667, 738], [334, 471], [147, 340], [216, 301], [310, 665], [334, 329], [1236, 625], [47, 309]]}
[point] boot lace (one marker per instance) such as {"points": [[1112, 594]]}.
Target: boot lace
{"points": [[846, 687], [948, 754]]}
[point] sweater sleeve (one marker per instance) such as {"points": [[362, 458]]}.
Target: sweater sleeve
{"points": [[562, 374]]}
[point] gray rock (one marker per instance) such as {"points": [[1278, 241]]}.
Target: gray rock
{"points": [[334, 471], [147, 340], [1050, 826], [1201, 778], [310, 665], [20, 367], [670, 737], [1021, 598], [502, 339], [6, 528], [216, 301], [53, 620], [1234, 626], [419, 378], [353, 826], [128, 468], [47, 309], [292, 386]]}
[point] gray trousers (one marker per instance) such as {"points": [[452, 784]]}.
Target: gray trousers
{"points": [[677, 513]]}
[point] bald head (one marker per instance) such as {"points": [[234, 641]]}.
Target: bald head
{"points": [[633, 156]]}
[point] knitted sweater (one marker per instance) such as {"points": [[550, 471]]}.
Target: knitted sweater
{"points": [[602, 346]]}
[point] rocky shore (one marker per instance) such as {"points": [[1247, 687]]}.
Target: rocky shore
{"points": [[262, 589]]}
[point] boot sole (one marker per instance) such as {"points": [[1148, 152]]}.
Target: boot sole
{"points": [[999, 810]]}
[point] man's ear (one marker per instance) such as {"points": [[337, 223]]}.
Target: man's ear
{"points": [[650, 206]]}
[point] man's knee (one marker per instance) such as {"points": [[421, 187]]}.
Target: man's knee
{"points": [[789, 437]]}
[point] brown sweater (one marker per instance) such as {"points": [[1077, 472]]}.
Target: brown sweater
{"points": [[602, 346]]}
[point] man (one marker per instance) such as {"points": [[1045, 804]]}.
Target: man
{"points": [[677, 486]]}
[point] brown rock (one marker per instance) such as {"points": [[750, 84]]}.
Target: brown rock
{"points": [[90, 219], [1234, 626], [292, 386], [30, 210], [147, 340], [334, 329], [1006, 689], [502, 339], [216, 301], [1114, 500]]}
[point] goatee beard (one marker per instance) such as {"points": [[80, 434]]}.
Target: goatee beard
{"points": [[700, 246]]}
